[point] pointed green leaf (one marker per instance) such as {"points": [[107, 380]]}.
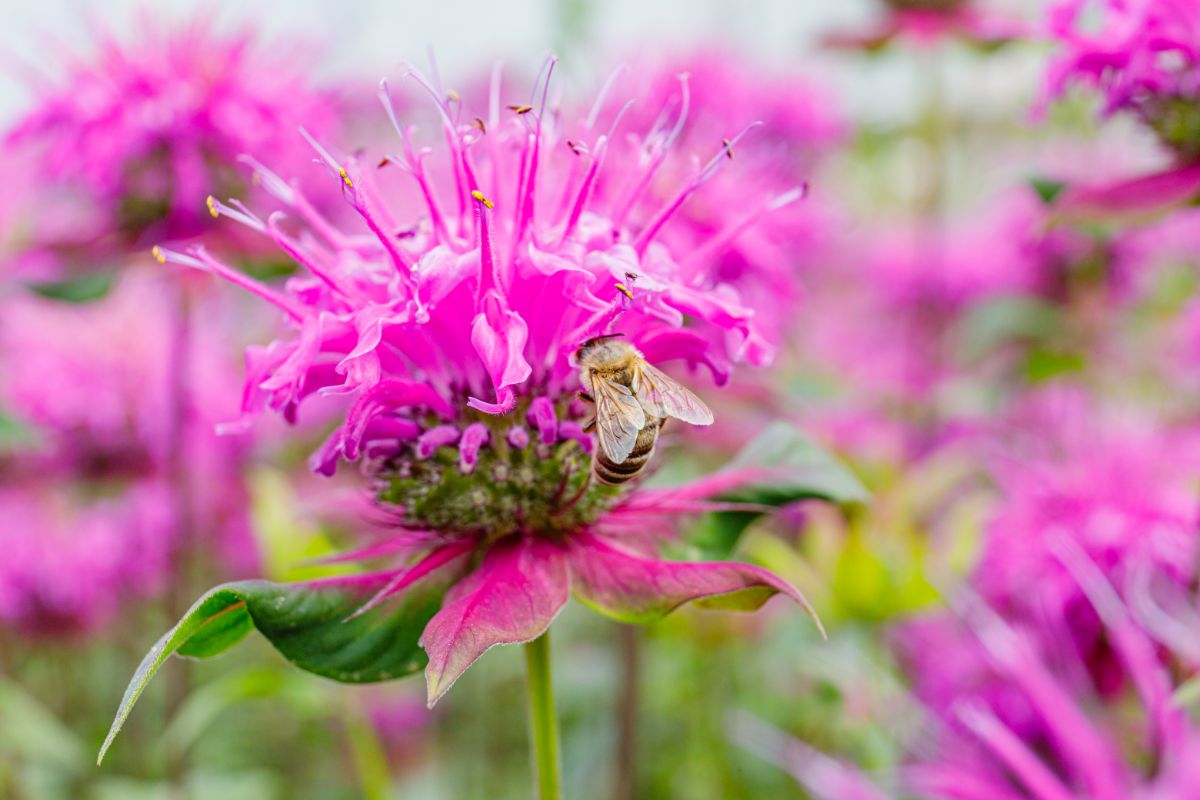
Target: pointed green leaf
{"points": [[1047, 188], [796, 468], [83, 289], [313, 625]]}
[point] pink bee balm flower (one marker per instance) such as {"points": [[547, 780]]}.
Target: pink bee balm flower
{"points": [[930, 21], [1019, 713], [69, 560], [449, 324], [1119, 487], [1144, 57], [95, 393], [145, 133]]}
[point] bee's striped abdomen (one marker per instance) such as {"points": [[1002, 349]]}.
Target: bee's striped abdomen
{"points": [[614, 474]]}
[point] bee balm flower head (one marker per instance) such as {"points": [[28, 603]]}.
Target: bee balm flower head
{"points": [[451, 333], [145, 132]]}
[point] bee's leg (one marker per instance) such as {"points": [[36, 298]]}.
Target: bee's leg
{"points": [[589, 425], [585, 396]]}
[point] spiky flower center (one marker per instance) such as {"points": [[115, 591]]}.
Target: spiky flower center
{"points": [[528, 471]]}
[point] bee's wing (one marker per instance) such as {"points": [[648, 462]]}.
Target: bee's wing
{"points": [[619, 418], [663, 396]]}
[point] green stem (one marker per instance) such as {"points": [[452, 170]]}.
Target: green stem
{"points": [[543, 722]]}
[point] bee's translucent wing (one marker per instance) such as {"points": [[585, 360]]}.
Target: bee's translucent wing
{"points": [[619, 418], [663, 396]]}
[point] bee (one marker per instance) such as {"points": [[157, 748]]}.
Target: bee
{"points": [[633, 400]]}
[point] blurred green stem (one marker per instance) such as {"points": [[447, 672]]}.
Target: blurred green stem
{"points": [[543, 721], [370, 761], [625, 780]]}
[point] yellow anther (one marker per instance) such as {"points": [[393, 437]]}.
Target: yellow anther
{"points": [[157, 252], [452, 96], [211, 202], [623, 289], [478, 195], [728, 148], [345, 177], [521, 109]]}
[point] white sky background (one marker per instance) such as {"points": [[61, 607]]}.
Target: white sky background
{"points": [[371, 37]]}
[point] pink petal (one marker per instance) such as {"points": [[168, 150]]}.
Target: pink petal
{"points": [[632, 588], [499, 337], [387, 396], [1140, 197], [512, 598]]}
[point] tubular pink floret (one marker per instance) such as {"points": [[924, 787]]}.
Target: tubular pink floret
{"points": [[602, 96], [413, 164], [703, 176], [274, 184], [299, 254], [658, 146], [432, 439], [525, 204], [726, 237], [201, 259], [475, 436], [518, 437], [541, 416], [235, 211], [328, 160]]}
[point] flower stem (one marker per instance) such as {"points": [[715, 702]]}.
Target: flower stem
{"points": [[543, 720]]}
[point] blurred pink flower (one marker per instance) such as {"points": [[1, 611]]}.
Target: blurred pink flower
{"points": [[72, 554], [108, 444], [1145, 58], [450, 333], [928, 22], [140, 135], [1077, 604], [1017, 714], [1119, 486]]}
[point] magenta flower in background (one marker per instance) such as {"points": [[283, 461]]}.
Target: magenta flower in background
{"points": [[1121, 487], [1018, 713], [1144, 57], [131, 140], [928, 22], [95, 505], [1052, 679], [73, 552], [448, 324]]}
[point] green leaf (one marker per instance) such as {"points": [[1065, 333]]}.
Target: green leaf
{"points": [[310, 624], [796, 467], [1047, 188], [83, 289]]}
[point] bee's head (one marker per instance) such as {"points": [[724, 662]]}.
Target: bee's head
{"points": [[594, 342]]}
